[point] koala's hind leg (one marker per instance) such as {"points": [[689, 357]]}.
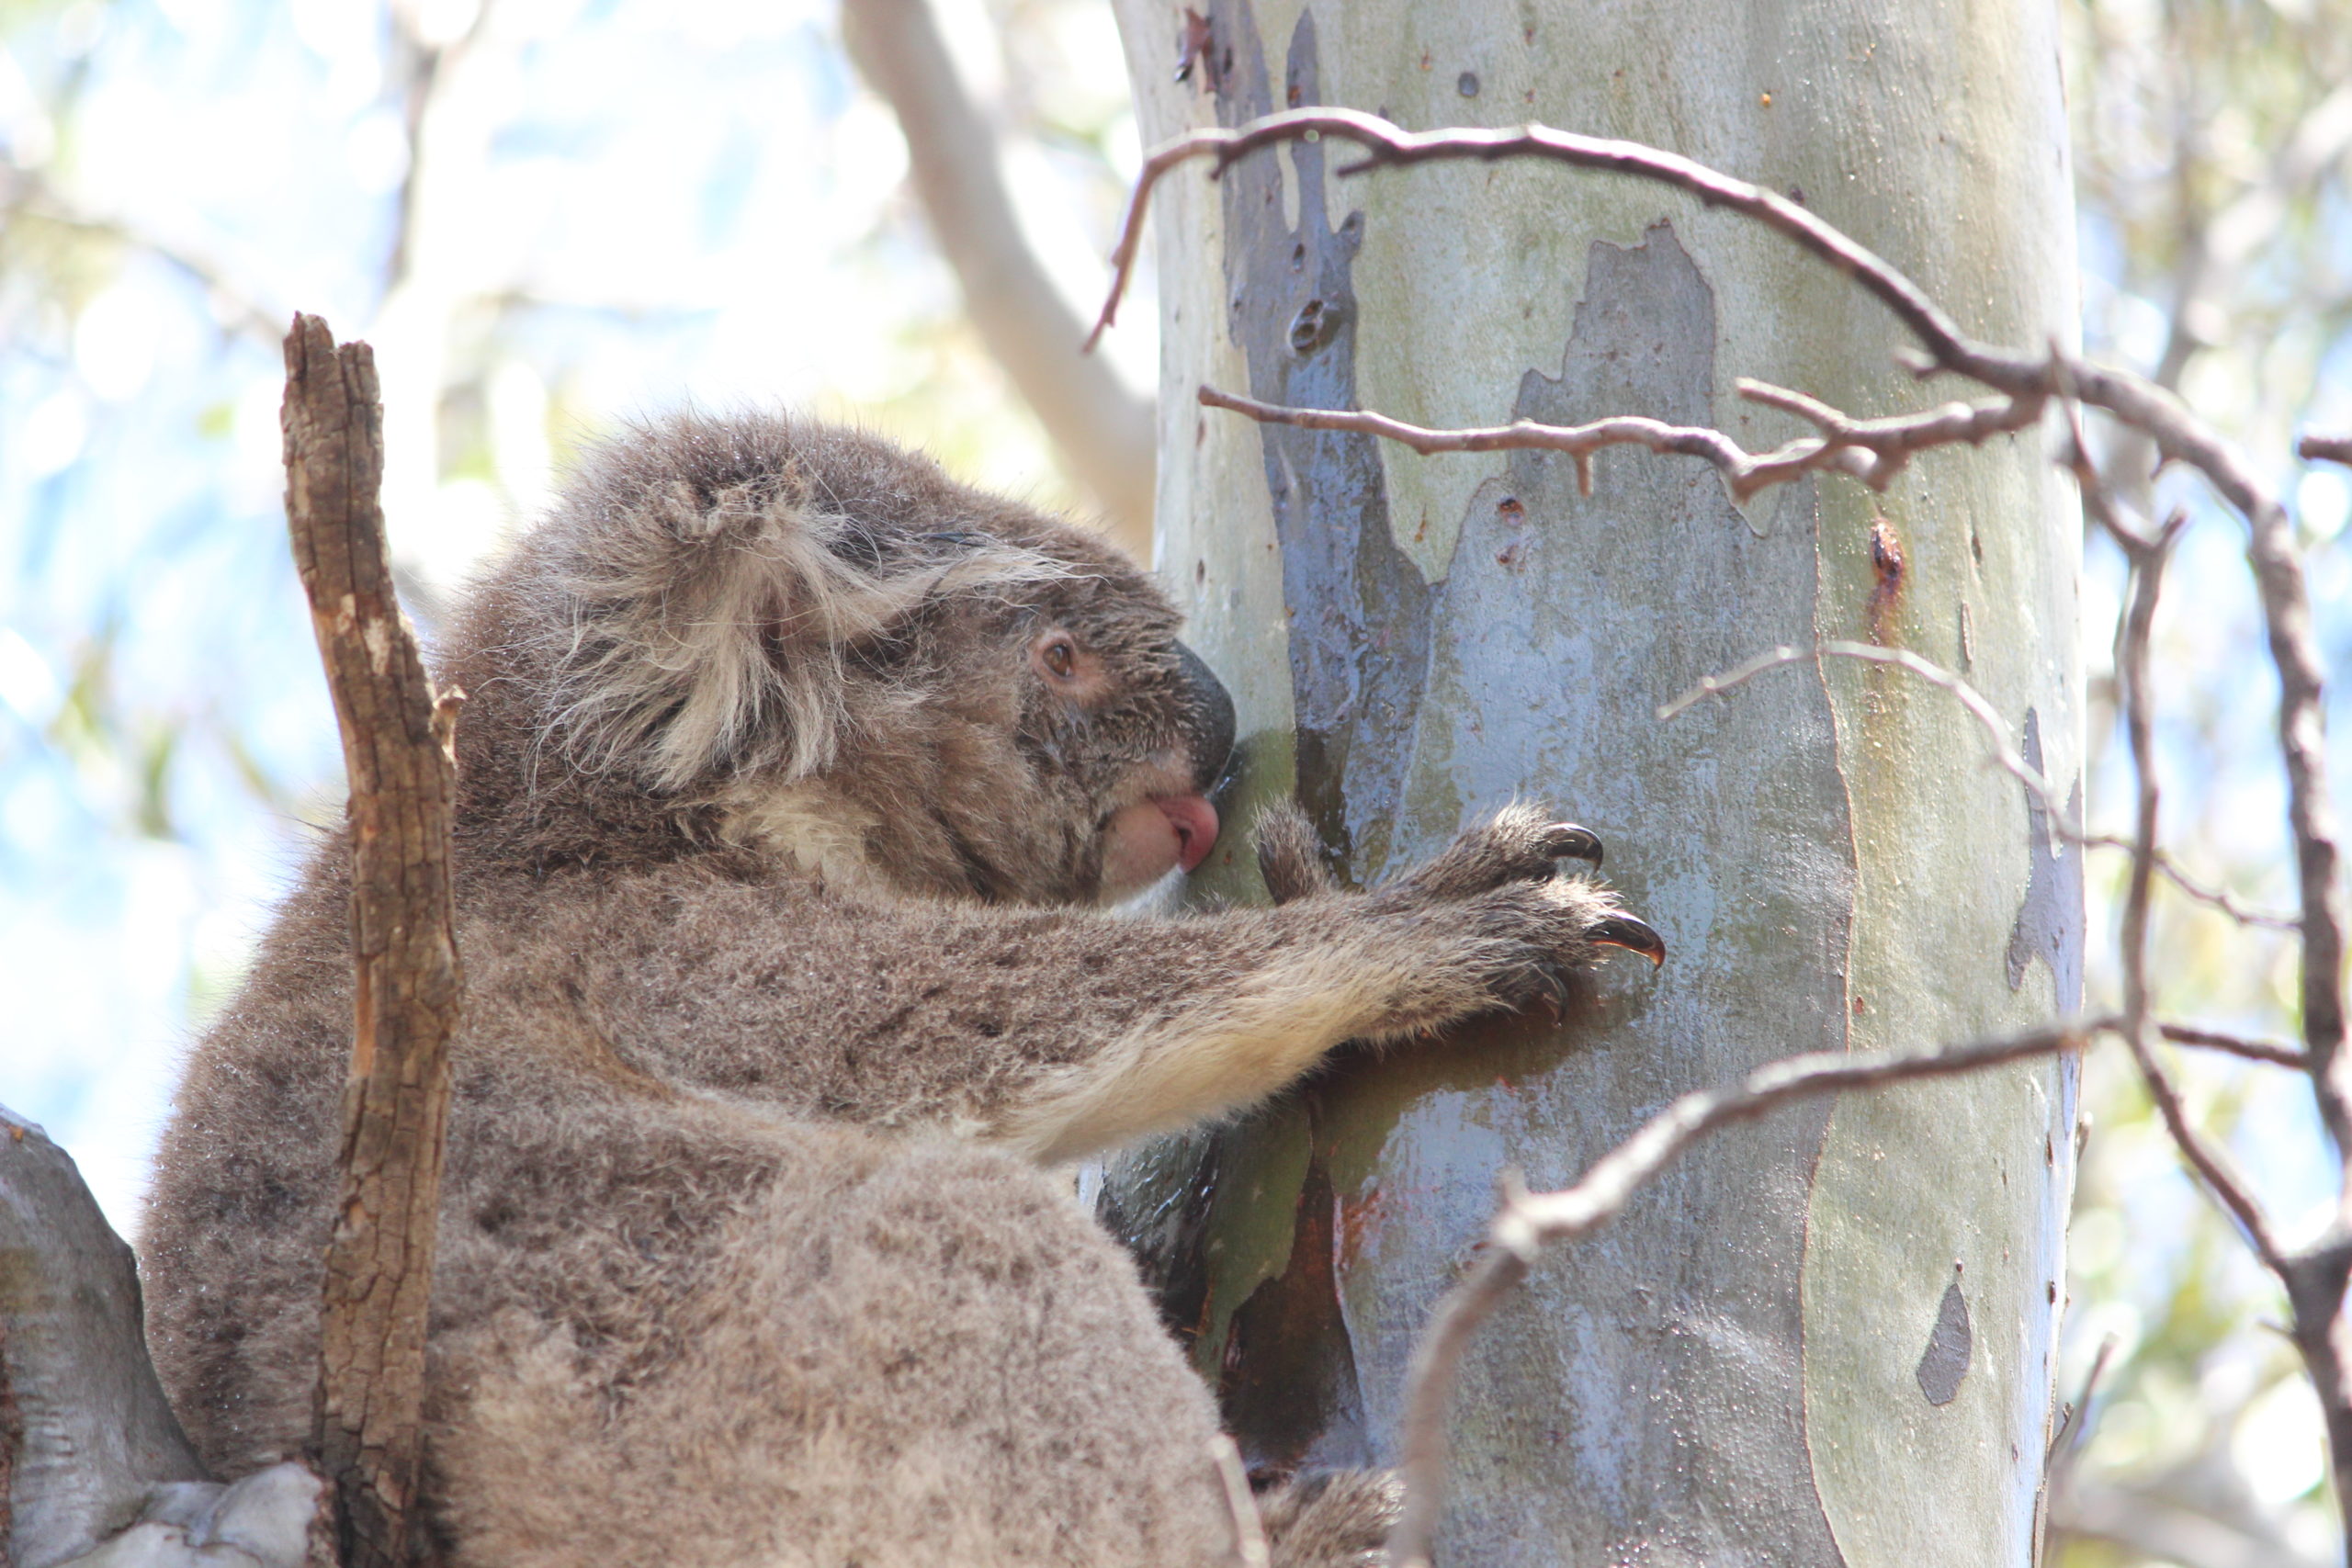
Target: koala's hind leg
{"points": [[906, 1352]]}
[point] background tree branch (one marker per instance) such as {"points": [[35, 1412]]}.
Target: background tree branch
{"points": [[1104, 432]]}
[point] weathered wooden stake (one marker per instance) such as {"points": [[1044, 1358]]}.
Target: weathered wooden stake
{"points": [[397, 750]]}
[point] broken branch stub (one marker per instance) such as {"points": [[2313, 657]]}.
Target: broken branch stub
{"points": [[396, 746]]}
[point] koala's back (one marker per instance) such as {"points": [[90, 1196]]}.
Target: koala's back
{"points": [[702, 1331]]}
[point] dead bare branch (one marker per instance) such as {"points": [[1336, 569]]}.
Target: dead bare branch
{"points": [[1528, 1222], [2326, 449], [397, 738], [1103, 430], [2063, 824], [2294, 652], [2228, 1188], [1388, 145], [2315, 1278], [1873, 451], [2061, 1444], [2222, 1181]]}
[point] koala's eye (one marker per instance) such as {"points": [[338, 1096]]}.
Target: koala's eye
{"points": [[1068, 670]]}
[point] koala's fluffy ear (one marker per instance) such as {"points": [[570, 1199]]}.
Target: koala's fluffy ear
{"points": [[1290, 857], [713, 581]]}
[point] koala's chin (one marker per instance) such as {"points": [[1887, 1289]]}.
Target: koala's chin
{"points": [[802, 794]]}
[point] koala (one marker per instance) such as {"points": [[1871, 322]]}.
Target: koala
{"points": [[797, 782]]}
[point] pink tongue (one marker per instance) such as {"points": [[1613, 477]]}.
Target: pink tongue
{"points": [[1195, 821]]}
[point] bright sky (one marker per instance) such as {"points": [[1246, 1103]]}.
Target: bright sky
{"points": [[625, 204]]}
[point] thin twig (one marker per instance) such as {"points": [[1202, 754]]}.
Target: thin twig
{"points": [[2061, 818], [1248, 1528], [1528, 1222], [2269, 1051], [2063, 823], [2220, 1179], [2098, 501], [2227, 1187], [2294, 652], [2326, 449], [2316, 1279], [2218, 898], [1386, 145], [2080, 1403]]}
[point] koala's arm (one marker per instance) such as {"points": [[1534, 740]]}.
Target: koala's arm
{"points": [[1062, 1032]]}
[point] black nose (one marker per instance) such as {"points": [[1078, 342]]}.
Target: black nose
{"points": [[1211, 719]]}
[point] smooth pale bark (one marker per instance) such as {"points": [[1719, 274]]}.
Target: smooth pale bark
{"points": [[1827, 1337]]}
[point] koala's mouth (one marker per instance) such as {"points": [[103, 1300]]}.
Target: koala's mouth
{"points": [[1193, 820], [1143, 842]]}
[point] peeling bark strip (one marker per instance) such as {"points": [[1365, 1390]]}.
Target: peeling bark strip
{"points": [[396, 737], [1360, 608]]}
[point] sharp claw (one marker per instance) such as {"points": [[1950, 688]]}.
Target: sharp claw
{"points": [[1565, 841], [1633, 935]]}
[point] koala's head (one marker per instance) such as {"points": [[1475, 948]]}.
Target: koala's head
{"points": [[776, 636]]}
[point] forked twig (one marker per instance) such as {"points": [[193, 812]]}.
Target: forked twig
{"points": [[2006, 756], [1873, 451]]}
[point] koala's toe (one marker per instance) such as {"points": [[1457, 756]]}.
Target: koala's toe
{"points": [[1518, 843], [1290, 857], [1337, 1519]]}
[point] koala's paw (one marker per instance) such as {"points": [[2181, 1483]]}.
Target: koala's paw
{"points": [[1338, 1519], [1534, 928], [1539, 935], [1290, 857], [1518, 843]]}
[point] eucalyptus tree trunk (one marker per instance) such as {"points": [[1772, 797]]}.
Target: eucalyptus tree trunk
{"points": [[1826, 1337]]}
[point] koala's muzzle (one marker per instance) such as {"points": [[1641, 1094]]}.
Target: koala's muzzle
{"points": [[1143, 842], [1209, 725]]}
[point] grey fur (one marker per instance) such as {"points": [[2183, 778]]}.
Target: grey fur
{"points": [[778, 867]]}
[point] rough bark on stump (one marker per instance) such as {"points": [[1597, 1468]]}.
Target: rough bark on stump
{"points": [[85, 1430], [396, 737]]}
